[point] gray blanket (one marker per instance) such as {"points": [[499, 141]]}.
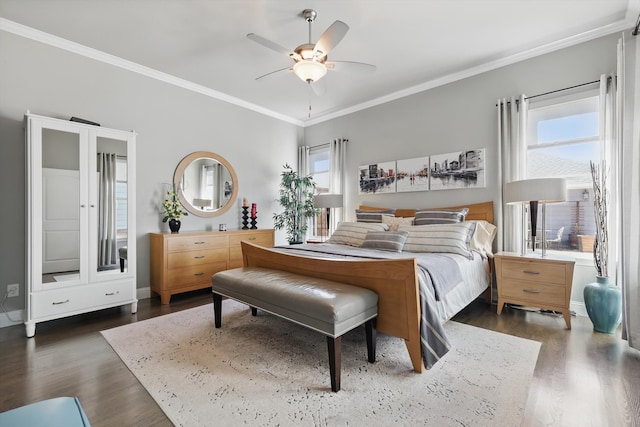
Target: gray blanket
{"points": [[438, 273]]}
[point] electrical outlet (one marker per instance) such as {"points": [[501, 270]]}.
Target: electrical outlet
{"points": [[13, 290]]}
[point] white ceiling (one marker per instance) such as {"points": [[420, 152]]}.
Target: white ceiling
{"points": [[202, 44]]}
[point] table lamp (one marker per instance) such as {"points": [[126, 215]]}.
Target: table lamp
{"points": [[328, 201], [545, 190]]}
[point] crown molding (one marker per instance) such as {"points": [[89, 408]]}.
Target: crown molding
{"points": [[79, 49]]}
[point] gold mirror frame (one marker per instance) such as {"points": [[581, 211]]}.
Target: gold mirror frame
{"points": [[178, 183]]}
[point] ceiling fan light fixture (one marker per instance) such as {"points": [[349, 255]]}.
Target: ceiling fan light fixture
{"points": [[309, 70]]}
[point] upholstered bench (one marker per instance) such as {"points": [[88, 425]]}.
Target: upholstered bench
{"points": [[331, 308], [59, 411]]}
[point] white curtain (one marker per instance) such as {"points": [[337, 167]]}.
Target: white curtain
{"points": [[629, 65], [303, 160], [512, 148], [337, 159], [107, 210]]}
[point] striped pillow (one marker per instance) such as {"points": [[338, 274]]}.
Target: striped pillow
{"points": [[451, 238], [385, 240], [372, 216], [427, 217], [354, 233]]}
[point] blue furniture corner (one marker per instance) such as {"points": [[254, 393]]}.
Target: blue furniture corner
{"points": [[57, 412]]}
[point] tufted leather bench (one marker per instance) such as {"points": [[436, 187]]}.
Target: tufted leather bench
{"points": [[331, 308]]}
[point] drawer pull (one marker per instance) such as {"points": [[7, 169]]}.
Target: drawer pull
{"points": [[199, 243], [531, 291], [59, 302], [252, 238], [531, 272], [112, 293], [198, 257], [198, 274]]}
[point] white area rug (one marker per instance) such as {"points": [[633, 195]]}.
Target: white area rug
{"points": [[266, 371]]}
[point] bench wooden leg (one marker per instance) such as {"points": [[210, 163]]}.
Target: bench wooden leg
{"points": [[335, 361], [217, 309], [371, 340]]}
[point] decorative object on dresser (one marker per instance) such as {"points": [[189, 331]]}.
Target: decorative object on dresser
{"points": [[205, 184], [74, 239], [602, 299], [532, 191], [185, 262], [254, 216], [534, 282], [328, 201], [296, 197], [173, 211]]}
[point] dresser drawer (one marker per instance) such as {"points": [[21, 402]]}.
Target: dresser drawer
{"points": [[180, 277], [189, 243], [547, 273], [536, 293], [189, 258], [261, 239]]}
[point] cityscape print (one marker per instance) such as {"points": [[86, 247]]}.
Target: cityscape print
{"points": [[462, 169], [412, 175], [377, 178]]}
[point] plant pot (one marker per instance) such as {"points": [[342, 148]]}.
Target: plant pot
{"points": [[604, 305], [174, 225]]}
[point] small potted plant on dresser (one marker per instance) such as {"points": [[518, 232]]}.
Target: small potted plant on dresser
{"points": [[602, 299], [173, 211], [296, 197]]}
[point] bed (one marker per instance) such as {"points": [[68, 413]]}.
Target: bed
{"points": [[418, 292]]}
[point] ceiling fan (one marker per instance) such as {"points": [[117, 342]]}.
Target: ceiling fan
{"points": [[310, 60]]}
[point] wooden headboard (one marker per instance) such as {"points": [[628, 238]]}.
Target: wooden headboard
{"points": [[477, 211]]}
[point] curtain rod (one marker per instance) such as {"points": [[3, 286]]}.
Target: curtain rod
{"points": [[559, 90], [636, 30]]}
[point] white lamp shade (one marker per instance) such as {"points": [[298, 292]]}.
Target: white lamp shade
{"points": [[547, 190], [309, 70], [328, 201]]}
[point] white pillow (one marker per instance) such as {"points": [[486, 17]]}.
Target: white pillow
{"points": [[354, 233], [396, 221], [452, 238], [482, 240]]}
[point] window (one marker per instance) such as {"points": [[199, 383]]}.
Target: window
{"points": [[121, 199], [319, 169], [562, 138]]}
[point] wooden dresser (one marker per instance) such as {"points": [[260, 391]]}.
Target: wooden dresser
{"points": [[183, 262], [535, 282]]}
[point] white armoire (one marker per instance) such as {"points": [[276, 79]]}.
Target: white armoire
{"points": [[81, 220]]}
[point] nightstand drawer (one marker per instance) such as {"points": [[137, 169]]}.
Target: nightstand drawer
{"points": [[552, 274], [536, 293]]}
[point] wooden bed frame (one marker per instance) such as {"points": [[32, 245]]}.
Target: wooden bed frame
{"points": [[395, 281]]}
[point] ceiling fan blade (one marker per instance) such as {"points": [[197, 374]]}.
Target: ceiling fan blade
{"points": [[330, 38], [274, 72], [318, 87], [350, 66], [269, 44]]}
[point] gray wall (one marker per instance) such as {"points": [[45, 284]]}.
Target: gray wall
{"points": [[170, 122]]}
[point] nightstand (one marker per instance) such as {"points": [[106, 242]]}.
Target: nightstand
{"points": [[535, 282]]}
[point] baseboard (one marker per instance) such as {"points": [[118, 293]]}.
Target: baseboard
{"points": [[578, 308], [143, 293]]}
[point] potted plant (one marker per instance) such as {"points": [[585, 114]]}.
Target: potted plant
{"points": [[602, 299], [296, 197], [173, 211]]}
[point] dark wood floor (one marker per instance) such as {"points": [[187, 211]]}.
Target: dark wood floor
{"points": [[582, 378]]}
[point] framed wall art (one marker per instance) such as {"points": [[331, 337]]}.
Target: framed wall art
{"points": [[412, 174], [460, 169], [377, 178]]}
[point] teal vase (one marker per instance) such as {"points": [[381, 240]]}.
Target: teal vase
{"points": [[604, 305]]}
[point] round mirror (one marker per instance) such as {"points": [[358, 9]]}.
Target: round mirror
{"points": [[206, 184]]}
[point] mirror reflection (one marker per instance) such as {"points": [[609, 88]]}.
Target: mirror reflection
{"points": [[206, 184]]}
